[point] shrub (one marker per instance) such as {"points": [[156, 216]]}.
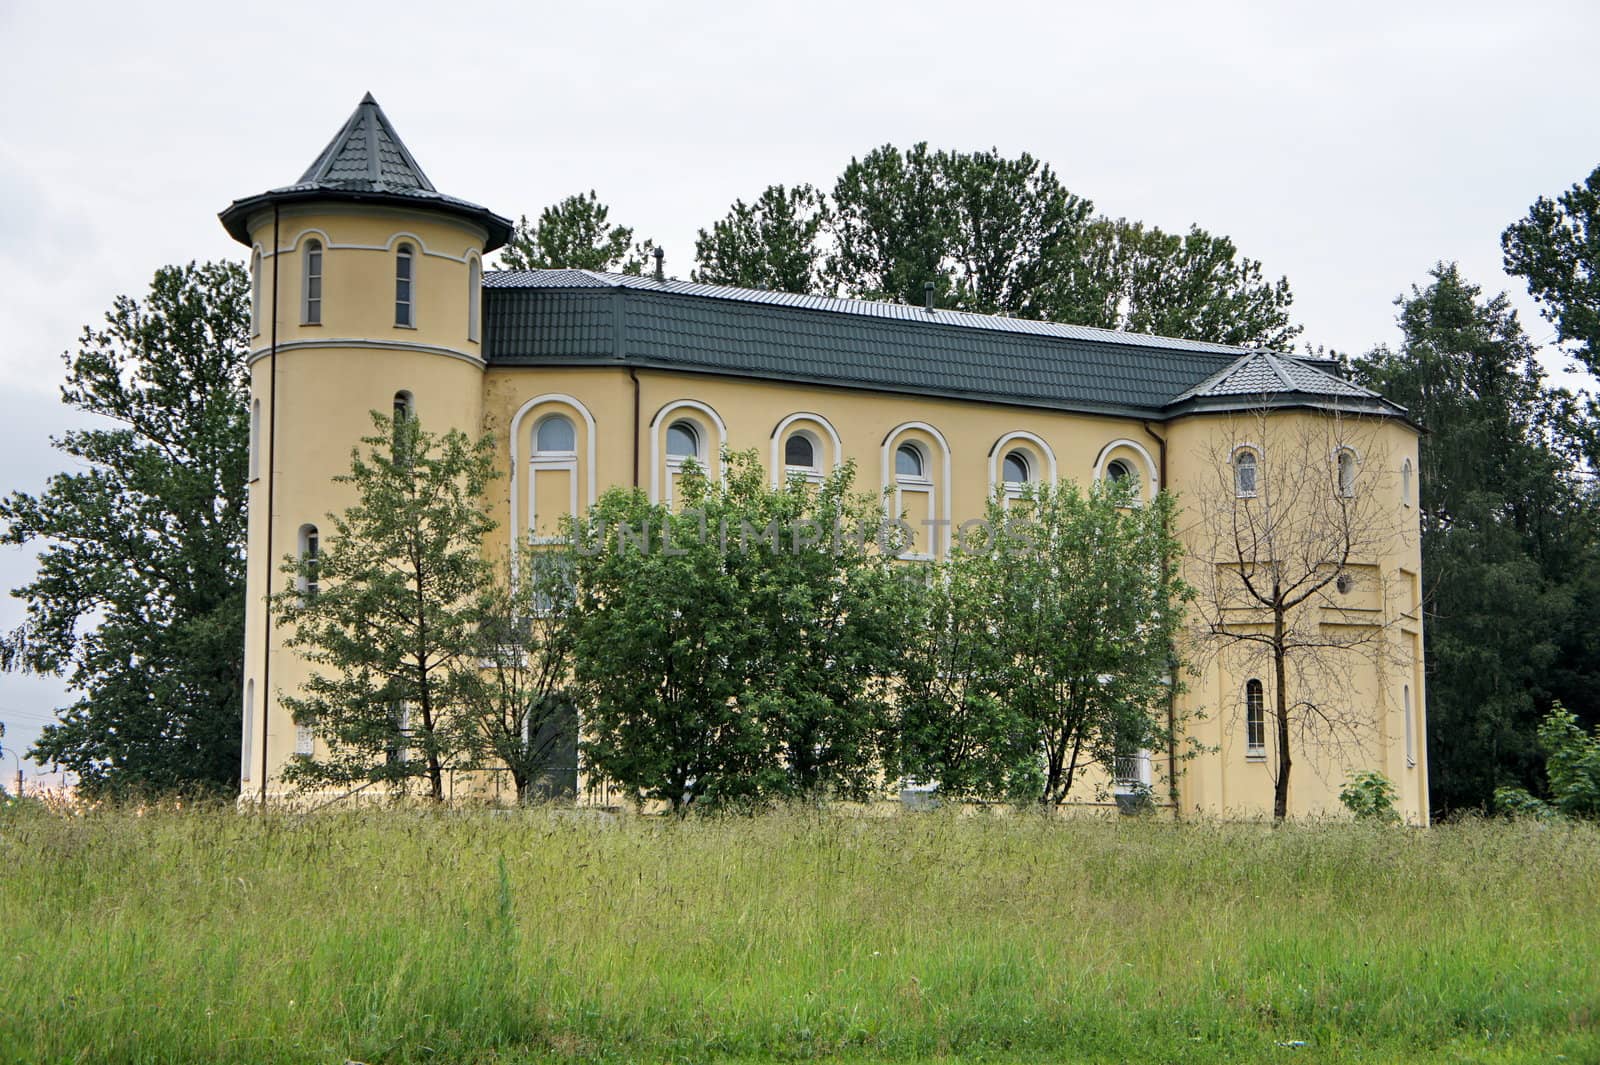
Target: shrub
{"points": [[1370, 796]]}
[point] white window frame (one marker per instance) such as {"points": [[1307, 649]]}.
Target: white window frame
{"points": [[938, 492], [517, 446], [1149, 481], [247, 741], [309, 541], [1345, 458], [661, 464], [1411, 736], [809, 423], [1406, 473], [317, 270], [405, 252], [474, 299], [1255, 752], [551, 460], [255, 440], [1255, 471], [1041, 458], [305, 741], [255, 291]]}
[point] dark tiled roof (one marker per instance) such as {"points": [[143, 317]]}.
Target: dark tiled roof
{"points": [[582, 317], [366, 161]]}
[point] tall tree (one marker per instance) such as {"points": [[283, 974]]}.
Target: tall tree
{"points": [[891, 226], [519, 711], [1556, 248], [1508, 544], [773, 243], [139, 597], [737, 650], [1197, 286], [577, 234], [1013, 229], [388, 613], [994, 235]]}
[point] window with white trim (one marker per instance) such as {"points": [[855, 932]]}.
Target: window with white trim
{"points": [[311, 304], [552, 477], [685, 443], [909, 461], [474, 298], [914, 500], [310, 555], [1405, 482], [1245, 478], [1017, 469], [1255, 721], [255, 439], [398, 749], [255, 293], [1345, 464], [247, 741], [305, 742], [1411, 742], [404, 287]]}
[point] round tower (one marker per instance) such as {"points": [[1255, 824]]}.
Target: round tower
{"points": [[366, 295]]}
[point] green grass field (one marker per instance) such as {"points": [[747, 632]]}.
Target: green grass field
{"points": [[408, 936]]}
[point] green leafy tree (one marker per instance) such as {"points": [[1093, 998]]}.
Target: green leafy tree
{"points": [[577, 234], [891, 224], [660, 634], [1014, 229], [1572, 766], [1508, 534], [738, 650], [388, 613], [139, 597], [954, 725], [1197, 285], [773, 243], [1085, 608], [520, 712], [1556, 249]]}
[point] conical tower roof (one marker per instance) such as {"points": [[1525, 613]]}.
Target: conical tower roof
{"points": [[366, 162]]}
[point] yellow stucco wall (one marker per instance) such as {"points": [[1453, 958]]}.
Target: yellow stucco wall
{"points": [[329, 377]]}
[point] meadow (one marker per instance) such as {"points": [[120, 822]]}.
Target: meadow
{"points": [[548, 935]]}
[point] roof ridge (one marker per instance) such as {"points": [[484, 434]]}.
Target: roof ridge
{"points": [[1275, 362], [883, 308]]}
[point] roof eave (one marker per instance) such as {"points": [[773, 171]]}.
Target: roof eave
{"points": [[235, 217]]}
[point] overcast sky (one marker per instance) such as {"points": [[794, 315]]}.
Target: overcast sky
{"points": [[1348, 146]]}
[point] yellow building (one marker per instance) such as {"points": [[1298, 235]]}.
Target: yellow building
{"points": [[370, 290]]}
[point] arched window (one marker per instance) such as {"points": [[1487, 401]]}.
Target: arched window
{"points": [[683, 441], [1346, 463], [311, 312], [310, 563], [404, 406], [245, 741], [1119, 472], [1405, 482], [1255, 720], [255, 293], [404, 314], [552, 477], [474, 298], [1244, 474], [1411, 743], [555, 433], [908, 461], [1017, 469], [800, 452], [255, 439]]}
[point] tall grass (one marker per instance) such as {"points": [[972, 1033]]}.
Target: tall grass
{"points": [[407, 936]]}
